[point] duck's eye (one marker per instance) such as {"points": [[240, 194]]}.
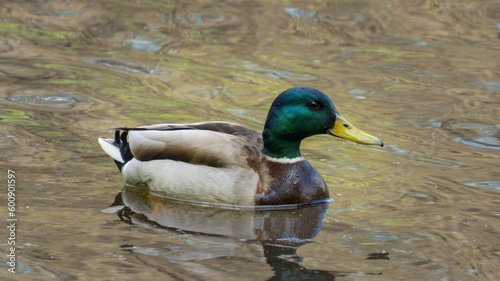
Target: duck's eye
{"points": [[313, 105]]}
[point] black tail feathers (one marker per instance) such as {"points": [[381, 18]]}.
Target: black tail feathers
{"points": [[122, 143]]}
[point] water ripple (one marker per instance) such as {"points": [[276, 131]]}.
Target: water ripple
{"points": [[477, 135], [296, 13], [25, 72], [488, 84], [144, 43], [45, 98], [206, 19], [127, 66], [485, 185]]}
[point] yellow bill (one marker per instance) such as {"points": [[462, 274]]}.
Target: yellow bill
{"points": [[345, 130]]}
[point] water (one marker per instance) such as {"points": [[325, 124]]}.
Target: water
{"points": [[422, 76]]}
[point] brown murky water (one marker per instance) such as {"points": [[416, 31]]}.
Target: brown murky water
{"points": [[424, 76]]}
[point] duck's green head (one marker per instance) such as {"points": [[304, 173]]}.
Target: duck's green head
{"points": [[301, 112]]}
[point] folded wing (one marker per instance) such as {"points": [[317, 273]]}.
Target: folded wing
{"points": [[214, 144]]}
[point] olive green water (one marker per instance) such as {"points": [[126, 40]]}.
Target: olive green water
{"points": [[424, 76]]}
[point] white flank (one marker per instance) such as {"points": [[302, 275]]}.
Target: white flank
{"points": [[112, 150], [284, 160], [184, 181]]}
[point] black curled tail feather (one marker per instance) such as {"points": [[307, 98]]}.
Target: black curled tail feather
{"points": [[121, 142], [125, 148]]}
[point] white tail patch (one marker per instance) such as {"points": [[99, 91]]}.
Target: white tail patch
{"points": [[112, 150]]}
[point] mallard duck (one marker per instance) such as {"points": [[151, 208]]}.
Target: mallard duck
{"points": [[226, 163]]}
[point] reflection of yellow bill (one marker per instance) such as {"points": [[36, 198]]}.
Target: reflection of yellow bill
{"points": [[345, 130]]}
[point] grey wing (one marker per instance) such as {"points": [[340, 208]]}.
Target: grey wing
{"points": [[211, 143]]}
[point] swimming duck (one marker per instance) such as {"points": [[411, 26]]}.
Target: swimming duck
{"points": [[229, 164]]}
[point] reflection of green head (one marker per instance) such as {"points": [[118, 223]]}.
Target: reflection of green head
{"points": [[296, 114]]}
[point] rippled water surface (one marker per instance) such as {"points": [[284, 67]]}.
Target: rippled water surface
{"points": [[424, 76]]}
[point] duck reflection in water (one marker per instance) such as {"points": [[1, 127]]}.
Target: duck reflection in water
{"points": [[280, 232]]}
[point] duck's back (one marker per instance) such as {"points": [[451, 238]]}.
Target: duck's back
{"points": [[216, 144]]}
